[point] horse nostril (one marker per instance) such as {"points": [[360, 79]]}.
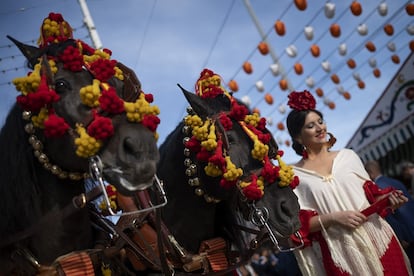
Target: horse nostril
{"points": [[130, 146]]}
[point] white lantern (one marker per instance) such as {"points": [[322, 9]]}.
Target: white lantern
{"points": [[362, 29], [342, 49], [329, 10], [291, 51], [269, 121], [310, 82], [326, 66], [383, 9], [282, 109], [246, 100], [260, 86], [372, 62], [391, 46], [340, 89], [356, 76], [275, 69], [308, 32], [410, 29]]}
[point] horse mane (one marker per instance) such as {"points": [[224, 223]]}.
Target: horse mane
{"points": [[17, 175]]}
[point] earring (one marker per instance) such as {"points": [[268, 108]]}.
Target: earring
{"points": [[304, 153], [331, 140]]}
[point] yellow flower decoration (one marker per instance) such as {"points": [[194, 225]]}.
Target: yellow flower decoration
{"points": [[252, 119], [201, 133], [136, 111], [39, 119], [232, 172], [87, 146], [30, 83], [286, 173], [211, 142], [118, 73], [90, 94], [98, 54], [259, 150], [193, 121], [212, 170]]}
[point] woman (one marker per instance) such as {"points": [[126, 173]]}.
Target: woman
{"points": [[334, 188]]}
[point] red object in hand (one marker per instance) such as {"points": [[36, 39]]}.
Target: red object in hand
{"points": [[377, 207]]}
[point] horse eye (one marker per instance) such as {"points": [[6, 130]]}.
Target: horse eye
{"points": [[61, 85]]}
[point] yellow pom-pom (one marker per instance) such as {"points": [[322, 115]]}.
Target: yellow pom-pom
{"points": [[87, 146], [212, 170]]}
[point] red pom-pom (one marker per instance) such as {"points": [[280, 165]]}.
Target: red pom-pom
{"points": [[225, 122], [151, 122], [238, 112], [295, 182], [149, 98], [110, 102], [101, 127], [55, 126], [252, 191], [72, 59], [227, 184], [193, 144], [103, 69], [270, 172], [203, 155], [218, 159]]}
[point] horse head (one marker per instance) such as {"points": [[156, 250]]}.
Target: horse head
{"points": [[79, 103]]}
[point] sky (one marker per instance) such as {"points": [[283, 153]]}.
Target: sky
{"points": [[167, 42]]}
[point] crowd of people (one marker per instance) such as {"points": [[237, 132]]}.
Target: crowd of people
{"points": [[354, 220]]}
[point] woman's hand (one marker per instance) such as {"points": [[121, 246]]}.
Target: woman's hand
{"points": [[348, 219], [397, 199]]}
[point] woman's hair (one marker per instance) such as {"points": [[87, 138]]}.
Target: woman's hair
{"points": [[295, 122]]}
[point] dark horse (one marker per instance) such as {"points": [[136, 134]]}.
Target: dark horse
{"points": [[208, 207], [76, 106]]}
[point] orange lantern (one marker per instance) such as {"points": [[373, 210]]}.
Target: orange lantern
{"points": [[301, 4], [347, 95], [389, 29], [319, 92], [356, 8], [361, 84], [233, 86], [263, 48], [280, 126], [395, 59], [268, 98], [410, 9], [247, 67], [370, 46], [411, 45], [287, 143], [315, 50], [256, 110], [283, 84], [331, 105], [351, 63], [335, 78], [377, 72], [280, 28], [335, 30], [298, 68]]}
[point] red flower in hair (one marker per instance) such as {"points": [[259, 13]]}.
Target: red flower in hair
{"points": [[301, 100]]}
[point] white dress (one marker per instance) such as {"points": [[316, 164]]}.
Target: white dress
{"points": [[358, 251]]}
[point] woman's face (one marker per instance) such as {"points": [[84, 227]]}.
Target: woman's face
{"points": [[313, 131]]}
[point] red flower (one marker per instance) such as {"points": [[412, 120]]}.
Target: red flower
{"points": [[301, 100]]}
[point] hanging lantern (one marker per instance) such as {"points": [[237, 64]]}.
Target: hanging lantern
{"points": [[246, 100], [362, 29], [315, 50], [260, 86], [410, 29], [346, 95], [331, 105], [247, 67], [351, 63], [377, 72], [335, 78], [301, 4], [326, 66], [383, 9], [389, 29], [410, 9], [233, 86], [361, 84], [280, 126], [269, 121], [370, 46], [319, 92], [282, 109], [280, 28], [391, 46], [269, 98], [291, 51], [308, 31], [372, 62], [283, 84], [263, 48], [356, 8], [340, 89], [356, 76], [342, 49], [310, 82], [298, 68], [329, 10], [275, 69], [287, 143], [335, 30], [395, 59], [411, 45], [256, 110]]}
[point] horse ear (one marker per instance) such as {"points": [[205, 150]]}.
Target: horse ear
{"points": [[30, 52], [206, 107]]}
